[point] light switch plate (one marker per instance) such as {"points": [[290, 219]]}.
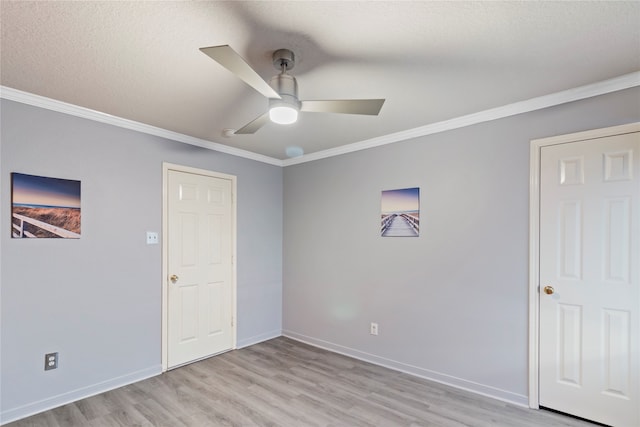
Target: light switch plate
{"points": [[152, 238]]}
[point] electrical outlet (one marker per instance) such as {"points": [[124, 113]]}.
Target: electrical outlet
{"points": [[50, 361], [373, 329]]}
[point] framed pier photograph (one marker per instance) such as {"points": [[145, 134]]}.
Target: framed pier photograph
{"points": [[400, 213]]}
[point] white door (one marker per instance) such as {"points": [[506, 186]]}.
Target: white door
{"points": [[589, 361], [199, 266]]}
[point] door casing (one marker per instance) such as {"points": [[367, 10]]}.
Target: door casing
{"points": [[166, 167], [534, 239]]}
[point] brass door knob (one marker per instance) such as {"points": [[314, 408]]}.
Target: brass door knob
{"points": [[548, 290], [173, 278]]}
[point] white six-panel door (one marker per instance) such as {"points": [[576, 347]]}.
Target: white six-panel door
{"points": [[589, 336], [199, 267]]}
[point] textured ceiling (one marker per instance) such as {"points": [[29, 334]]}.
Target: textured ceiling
{"points": [[432, 61]]}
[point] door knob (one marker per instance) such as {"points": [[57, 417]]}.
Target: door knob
{"points": [[548, 290], [173, 278]]}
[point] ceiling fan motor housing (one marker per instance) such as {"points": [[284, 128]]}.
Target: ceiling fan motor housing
{"points": [[287, 88]]}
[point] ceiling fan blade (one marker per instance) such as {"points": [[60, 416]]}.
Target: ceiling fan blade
{"points": [[345, 106], [253, 126], [233, 62]]}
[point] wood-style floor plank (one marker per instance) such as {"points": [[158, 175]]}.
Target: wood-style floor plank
{"points": [[284, 383]]}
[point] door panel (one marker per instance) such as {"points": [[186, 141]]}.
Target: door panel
{"points": [[188, 295], [617, 244], [617, 355], [215, 320], [570, 341], [589, 254], [570, 239], [200, 245]]}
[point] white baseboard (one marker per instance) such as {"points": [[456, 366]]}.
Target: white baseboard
{"points": [[82, 393], [484, 390], [74, 395], [258, 338]]}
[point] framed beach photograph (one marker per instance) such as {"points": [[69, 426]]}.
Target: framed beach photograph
{"points": [[400, 213], [43, 207]]}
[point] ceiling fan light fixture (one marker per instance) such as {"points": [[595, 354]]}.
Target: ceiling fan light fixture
{"points": [[283, 114], [284, 111]]}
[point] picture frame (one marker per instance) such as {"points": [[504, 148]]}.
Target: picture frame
{"points": [[44, 207], [400, 213]]}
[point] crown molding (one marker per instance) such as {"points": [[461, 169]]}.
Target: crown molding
{"points": [[86, 113], [582, 92]]}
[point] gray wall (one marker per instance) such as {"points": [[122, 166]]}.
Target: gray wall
{"points": [[97, 300], [451, 304]]}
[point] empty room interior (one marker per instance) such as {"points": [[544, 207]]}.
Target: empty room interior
{"points": [[319, 213]]}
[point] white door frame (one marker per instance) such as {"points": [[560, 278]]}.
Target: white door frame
{"points": [[534, 239], [166, 167]]}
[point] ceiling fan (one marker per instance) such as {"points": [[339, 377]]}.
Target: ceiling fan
{"points": [[282, 90]]}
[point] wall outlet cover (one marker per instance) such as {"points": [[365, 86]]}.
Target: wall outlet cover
{"points": [[50, 361], [374, 328]]}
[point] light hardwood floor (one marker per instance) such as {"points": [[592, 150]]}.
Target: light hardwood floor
{"points": [[282, 382]]}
